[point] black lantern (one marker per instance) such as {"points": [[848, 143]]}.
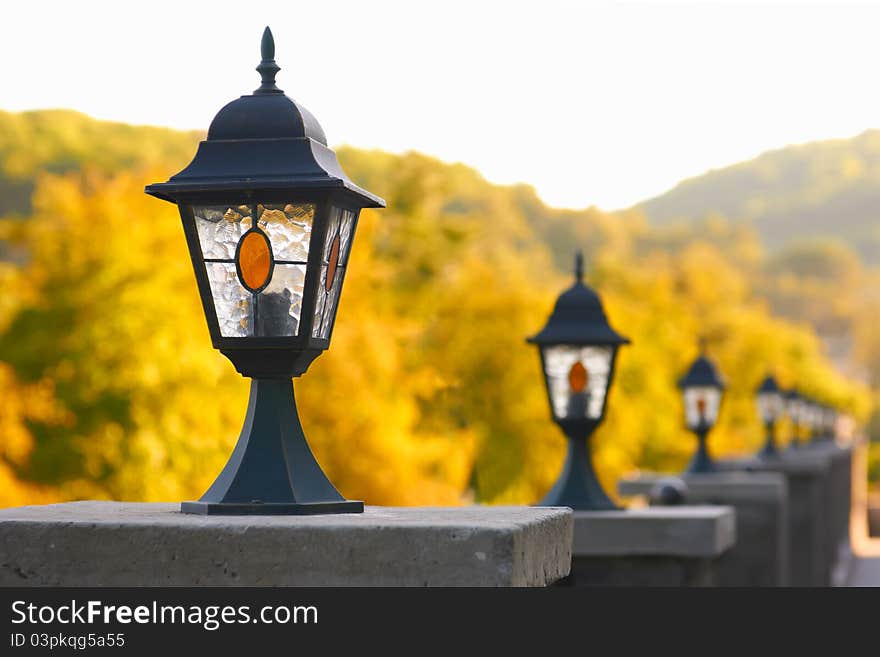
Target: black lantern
{"points": [[829, 423], [810, 419], [795, 408], [269, 218], [702, 390], [578, 350], [771, 405]]}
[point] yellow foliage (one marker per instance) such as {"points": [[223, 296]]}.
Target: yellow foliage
{"points": [[109, 386]]}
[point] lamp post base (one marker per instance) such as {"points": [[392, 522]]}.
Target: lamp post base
{"points": [[701, 463], [272, 470], [577, 486], [270, 509]]}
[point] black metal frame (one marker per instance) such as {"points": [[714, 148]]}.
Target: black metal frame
{"points": [[789, 396], [292, 354], [265, 148], [578, 320], [769, 451], [702, 374]]}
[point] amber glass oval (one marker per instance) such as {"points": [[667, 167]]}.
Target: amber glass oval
{"points": [[701, 407], [254, 260], [332, 263], [578, 377]]}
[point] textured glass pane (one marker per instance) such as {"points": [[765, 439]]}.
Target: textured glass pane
{"points": [[770, 406], [231, 301], [280, 304], [349, 220], [795, 410], [289, 227], [341, 223], [330, 303], [332, 231], [577, 378], [319, 304], [220, 228], [701, 404]]}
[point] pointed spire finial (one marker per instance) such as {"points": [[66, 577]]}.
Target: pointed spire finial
{"points": [[268, 68], [579, 266], [703, 343]]}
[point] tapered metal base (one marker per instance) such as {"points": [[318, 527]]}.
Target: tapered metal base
{"points": [[232, 509], [577, 486], [701, 463], [769, 451], [272, 470]]}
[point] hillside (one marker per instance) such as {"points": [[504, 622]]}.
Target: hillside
{"points": [[824, 189], [59, 141], [429, 393]]}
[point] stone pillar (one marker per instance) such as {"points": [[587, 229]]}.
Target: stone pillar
{"points": [[126, 544], [807, 474], [661, 546], [760, 555]]}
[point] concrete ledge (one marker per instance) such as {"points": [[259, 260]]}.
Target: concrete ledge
{"points": [[662, 546], [733, 486], [761, 554], [129, 544], [808, 477], [693, 531]]}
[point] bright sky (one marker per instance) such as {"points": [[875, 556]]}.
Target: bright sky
{"points": [[592, 103]]}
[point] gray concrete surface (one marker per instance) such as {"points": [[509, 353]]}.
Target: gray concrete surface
{"points": [[810, 523], [865, 572], [760, 555], [132, 544], [661, 546]]}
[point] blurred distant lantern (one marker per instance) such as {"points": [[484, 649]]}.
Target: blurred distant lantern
{"points": [[269, 218], [796, 409], [578, 350], [771, 406], [829, 423], [817, 425], [811, 418], [702, 390]]}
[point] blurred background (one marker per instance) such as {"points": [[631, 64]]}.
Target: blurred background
{"points": [[717, 164]]}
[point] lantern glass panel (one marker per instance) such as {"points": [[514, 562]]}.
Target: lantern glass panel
{"points": [[289, 227], [273, 309], [334, 262], [701, 406], [813, 416], [577, 380], [770, 406], [830, 420]]}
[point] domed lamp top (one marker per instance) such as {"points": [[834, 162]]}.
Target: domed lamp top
{"points": [[578, 317], [769, 386], [264, 141], [702, 374]]}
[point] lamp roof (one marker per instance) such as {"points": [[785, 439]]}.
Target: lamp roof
{"points": [[702, 373], [768, 386], [263, 141], [578, 317]]}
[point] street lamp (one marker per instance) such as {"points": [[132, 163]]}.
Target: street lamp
{"points": [[795, 408], [811, 418], [578, 350], [829, 423], [770, 407], [269, 219], [702, 390]]}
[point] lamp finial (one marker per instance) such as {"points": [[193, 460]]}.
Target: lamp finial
{"points": [[579, 266], [268, 68]]}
